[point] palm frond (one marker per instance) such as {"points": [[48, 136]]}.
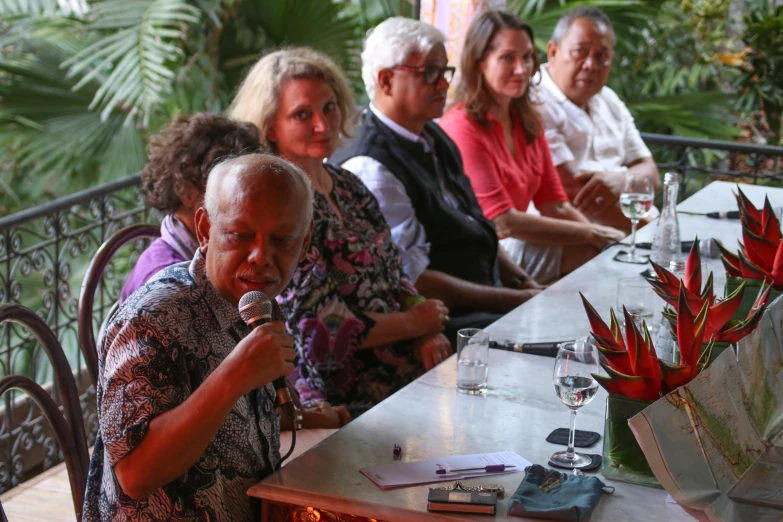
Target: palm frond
{"points": [[135, 60], [16, 29], [373, 12], [257, 27], [698, 115], [52, 144], [628, 17], [43, 7]]}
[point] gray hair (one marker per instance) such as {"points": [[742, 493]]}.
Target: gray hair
{"points": [[390, 44], [243, 167], [594, 14]]}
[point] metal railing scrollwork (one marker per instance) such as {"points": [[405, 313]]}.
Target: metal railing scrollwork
{"points": [[699, 161], [44, 252]]}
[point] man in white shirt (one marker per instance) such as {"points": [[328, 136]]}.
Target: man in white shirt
{"points": [[591, 133]]}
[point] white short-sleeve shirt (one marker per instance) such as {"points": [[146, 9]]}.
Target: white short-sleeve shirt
{"points": [[601, 137]]}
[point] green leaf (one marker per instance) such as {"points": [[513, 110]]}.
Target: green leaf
{"points": [[258, 27], [51, 143], [136, 62]]}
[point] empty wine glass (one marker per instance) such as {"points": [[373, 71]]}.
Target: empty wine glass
{"points": [[575, 386], [635, 202]]}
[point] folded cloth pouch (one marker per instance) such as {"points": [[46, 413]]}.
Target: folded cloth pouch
{"points": [[552, 495]]}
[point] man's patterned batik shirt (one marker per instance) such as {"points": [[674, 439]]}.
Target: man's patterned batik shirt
{"points": [[159, 347]]}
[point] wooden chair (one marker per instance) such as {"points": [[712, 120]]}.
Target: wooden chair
{"points": [[68, 428], [92, 279]]}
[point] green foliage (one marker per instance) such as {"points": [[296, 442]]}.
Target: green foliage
{"points": [[83, 84], [761, 81], [663, 66], [258, 27], [52, 145], [627, 16], [140, 43]]}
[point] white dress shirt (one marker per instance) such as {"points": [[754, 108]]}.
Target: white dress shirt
{"points": [[601, 138], [407, 231]]}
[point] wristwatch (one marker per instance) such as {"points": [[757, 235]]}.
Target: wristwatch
{"points": [[298, 420], [519, 280]]}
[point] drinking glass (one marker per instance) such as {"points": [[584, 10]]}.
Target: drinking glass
{"points": [[575, 386], [472, 361], [635, 202], [639, 298]]}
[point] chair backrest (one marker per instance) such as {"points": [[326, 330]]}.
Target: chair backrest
{"points": [[68, 426], [92, 278]]}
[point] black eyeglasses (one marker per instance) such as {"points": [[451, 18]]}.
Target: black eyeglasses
{"points": [[432, 73]]}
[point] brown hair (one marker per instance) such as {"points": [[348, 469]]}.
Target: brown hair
{"points": [[186, 150], [471, 91]]}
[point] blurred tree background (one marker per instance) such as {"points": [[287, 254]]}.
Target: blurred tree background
{"points": [[82, 83]]}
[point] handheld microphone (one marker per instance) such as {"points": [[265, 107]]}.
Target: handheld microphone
{"points": [[255, 309]]}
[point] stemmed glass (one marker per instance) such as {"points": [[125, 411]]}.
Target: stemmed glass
{"points": [[635, 202], [575, 386]]}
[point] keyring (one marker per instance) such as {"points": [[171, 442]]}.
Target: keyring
{"points": [[489, 488]]}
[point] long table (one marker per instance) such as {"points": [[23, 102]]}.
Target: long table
{"points": [[557, 313], [429, 419]]}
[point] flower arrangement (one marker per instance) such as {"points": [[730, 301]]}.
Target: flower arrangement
{"points": [[719, 324], [632, 365], [699, 320], [760, 256], [636, 377]]}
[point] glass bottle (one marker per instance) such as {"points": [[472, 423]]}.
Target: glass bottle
{"points": [[666, 242]]}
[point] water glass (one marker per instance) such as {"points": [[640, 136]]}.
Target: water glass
{"points": [[635, 203], [472, 361], [639, 298], [575, 386]]}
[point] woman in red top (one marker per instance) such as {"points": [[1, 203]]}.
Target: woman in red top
{"points": [[506, 155]]}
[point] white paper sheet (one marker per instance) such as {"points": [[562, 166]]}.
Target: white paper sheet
{"points": [[424, 471]]}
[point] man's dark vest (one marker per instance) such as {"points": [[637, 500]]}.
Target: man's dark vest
{"points": [[463, 242]]}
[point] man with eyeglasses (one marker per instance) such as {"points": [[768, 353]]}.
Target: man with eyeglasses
{"points": [[448, 248], [591, 133]]}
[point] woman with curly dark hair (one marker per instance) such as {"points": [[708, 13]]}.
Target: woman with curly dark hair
{"points": [[179, 159]]}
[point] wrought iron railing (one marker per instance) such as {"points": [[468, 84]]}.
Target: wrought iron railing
{"points": [[700, 161], [45, 250], [43, 254]]}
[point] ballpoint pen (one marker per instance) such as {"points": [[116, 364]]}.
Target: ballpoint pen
{"points": [[489, 469]]}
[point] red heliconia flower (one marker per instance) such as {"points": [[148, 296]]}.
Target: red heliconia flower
{"points": [[760, 256], [690, 335], [632, 364], [719, 312]]}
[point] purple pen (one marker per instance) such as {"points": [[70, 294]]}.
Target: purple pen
{"points": [[487, 469]]}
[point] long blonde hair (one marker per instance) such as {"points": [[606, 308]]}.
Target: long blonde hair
{"points": [[258, 98]]}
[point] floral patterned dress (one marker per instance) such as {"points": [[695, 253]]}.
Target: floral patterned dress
{"points": [[351, 268]]}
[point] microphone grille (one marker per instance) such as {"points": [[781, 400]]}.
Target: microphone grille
{"points": [[708, 248], [255, 306]]}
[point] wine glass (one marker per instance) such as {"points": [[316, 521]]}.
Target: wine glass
{"points": [[639, 298], [575, 386], [635, 202]]}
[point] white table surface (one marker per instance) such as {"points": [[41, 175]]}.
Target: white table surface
{"points": [[557, 314], [429, 418]]}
